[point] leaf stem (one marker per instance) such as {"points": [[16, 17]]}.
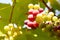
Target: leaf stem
{"points": [[12, 10]]}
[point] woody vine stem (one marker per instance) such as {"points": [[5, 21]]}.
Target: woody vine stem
{"points": [[12, 11]]}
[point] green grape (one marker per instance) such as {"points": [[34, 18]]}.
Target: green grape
{"points": [[48, 22], [43, 29], [51, 14], [36, 6], [55, 18], [49, 17], [35, 35], [46, 18], [39, 15], [6, 28], [11, 38], [57, 23], [39, 18], [30, 6], [9, 33]]}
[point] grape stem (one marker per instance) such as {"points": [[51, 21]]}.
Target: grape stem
{"points": [[50, 9], [12, 11]]}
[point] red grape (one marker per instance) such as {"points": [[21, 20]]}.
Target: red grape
{"points": [[41, 10], [30, 11], [26, 21], [31, 17], [35, 12]]}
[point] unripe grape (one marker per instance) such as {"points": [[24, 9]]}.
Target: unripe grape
{"points": [[30, 6], [48, 22], [11, 38], [6, 28], [9, 33], [20, 27], [36, 6], [15, 34], [49, 17], [51, 14], [43, 14], [1, 34], [57, 23], [21, 32], [11, 25], [39, 15], [55, 18], [43, 29], [39, 18], [6, 38], [35, 35], [45, 18]]}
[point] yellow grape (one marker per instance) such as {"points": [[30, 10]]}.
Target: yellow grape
{"points": [[9, 33], [49, 17], [30, 6], [39, 18], [55, 18], [36, 6], [35, 35], [6, 28], [43, 29], [51, 14], [15, 34], [11, 38], [6, 38], [10, 25], [21, 32]]}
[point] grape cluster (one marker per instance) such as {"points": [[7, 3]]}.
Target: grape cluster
{"points": [[33, 11], [43, 19], [11, 31]]}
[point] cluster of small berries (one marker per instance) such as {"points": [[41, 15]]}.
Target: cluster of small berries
{"points": [[33, 11], [44, 19], [11, 31]]}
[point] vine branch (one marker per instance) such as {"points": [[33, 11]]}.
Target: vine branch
{"points": [[50, 9], [12, 10]]}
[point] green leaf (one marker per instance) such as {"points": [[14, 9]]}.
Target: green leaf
{"points": [[55, 4]]}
